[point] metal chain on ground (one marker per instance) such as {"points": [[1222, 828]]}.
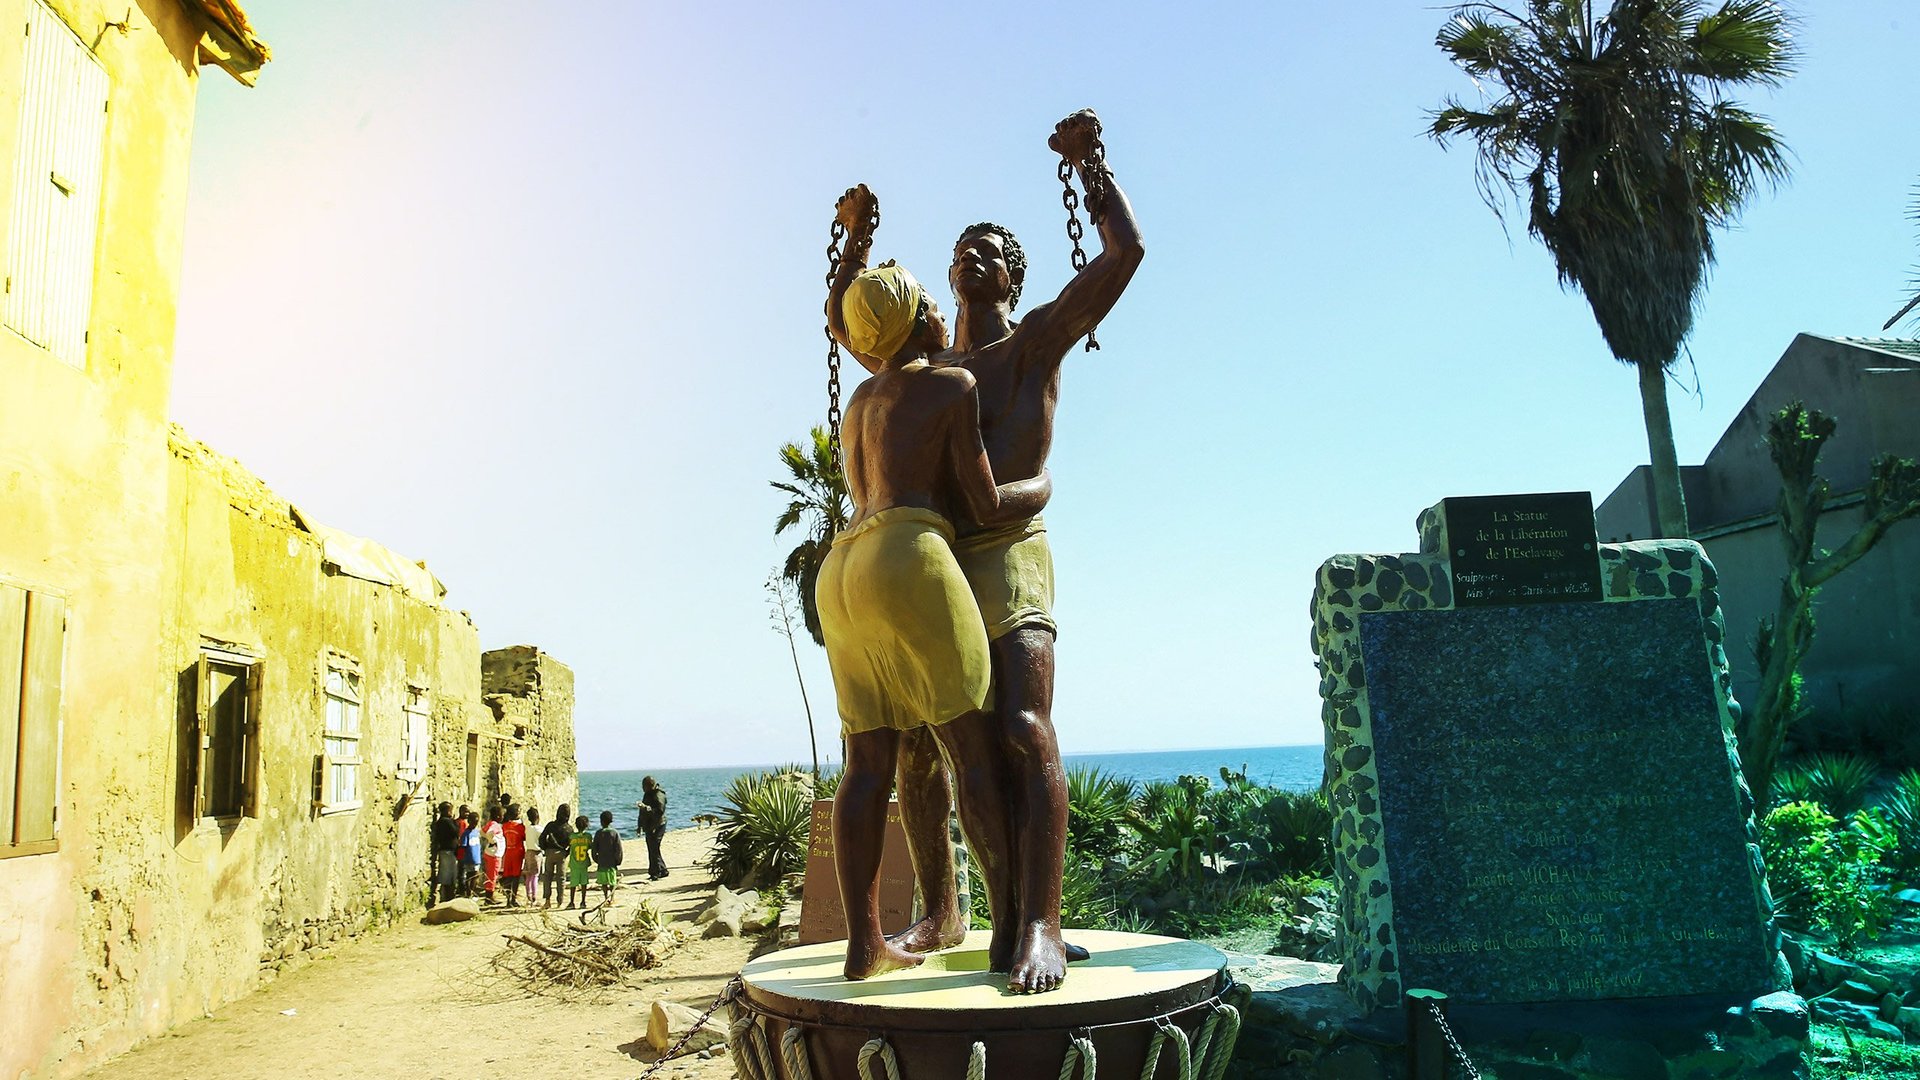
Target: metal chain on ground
{"points": [[793, 1047], [1182, 1050], [878, 1046], [1453, 1044], [977, 1062], [727, 994], [1071, 200], [1079, 1056]]}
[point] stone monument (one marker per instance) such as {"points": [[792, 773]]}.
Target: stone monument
{"points": [[821, 916], [1536, 794]]}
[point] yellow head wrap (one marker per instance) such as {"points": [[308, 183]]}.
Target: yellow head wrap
{"points": [[879, 308]]}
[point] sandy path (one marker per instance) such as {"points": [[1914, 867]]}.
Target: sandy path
{"points": [[401, 1004]]}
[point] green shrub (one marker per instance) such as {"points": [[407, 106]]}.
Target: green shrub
{"points": [[1838, 782], [763, 828], [1902, 809], [1823, 875], [1299, 827], [1176, 843], [1085, 899], [1097, 806]]}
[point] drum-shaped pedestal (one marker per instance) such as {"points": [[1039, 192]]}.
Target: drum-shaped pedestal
{"points": [[1134, 987]]}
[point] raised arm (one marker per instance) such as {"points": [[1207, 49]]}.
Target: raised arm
{"points": [[858, 210], [1051, 329]]}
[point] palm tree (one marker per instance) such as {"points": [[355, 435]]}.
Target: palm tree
{"points": [[819, 502], [1914, 214], [1613, 133]]}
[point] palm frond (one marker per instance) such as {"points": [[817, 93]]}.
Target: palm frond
{"points": [[1913, 214], [1746, 41], [1740, 152]]}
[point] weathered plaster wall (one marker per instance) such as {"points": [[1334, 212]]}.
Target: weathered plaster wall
{"points": [[82, 468]]}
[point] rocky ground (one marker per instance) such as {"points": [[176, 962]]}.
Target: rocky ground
{"points": [[409, 1003]]}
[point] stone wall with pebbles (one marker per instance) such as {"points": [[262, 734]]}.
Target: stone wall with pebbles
{"points": [[1348, 585]]}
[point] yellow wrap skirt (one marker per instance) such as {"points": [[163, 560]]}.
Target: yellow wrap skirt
{"points": [[1010, 570], [904, 636]]}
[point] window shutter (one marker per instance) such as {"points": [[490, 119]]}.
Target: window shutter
{"points": [[13, 651], [57, 188], [37, 798], [202, 703], [250, 748]]}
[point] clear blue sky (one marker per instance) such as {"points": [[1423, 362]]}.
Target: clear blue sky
{"points": [[535, 297]]}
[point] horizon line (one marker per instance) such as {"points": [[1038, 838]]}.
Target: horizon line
{"points": [[1064, 754]]}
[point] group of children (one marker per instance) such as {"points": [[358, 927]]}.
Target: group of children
{"points": [[494, 853]]}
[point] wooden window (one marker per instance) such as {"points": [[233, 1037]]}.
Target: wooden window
{"points": [[33, 629], [226, 761], [57, 170], [414, 733], [473, 767], [340, 773]]}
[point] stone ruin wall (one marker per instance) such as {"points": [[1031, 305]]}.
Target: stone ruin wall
{"points": [[531, 751]]}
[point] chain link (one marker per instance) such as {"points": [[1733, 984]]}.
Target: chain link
{"points": [[1093, 173], [1453, 1044], [833, 348], [727, 994], [838, 233]]}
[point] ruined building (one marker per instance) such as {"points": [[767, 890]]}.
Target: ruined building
{"points": [[222, 724]]}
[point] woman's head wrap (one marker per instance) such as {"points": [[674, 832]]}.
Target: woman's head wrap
{"points": [[880, 306]]}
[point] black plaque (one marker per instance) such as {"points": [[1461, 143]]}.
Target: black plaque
{"points": [[1559, 810], [1522, 549]]}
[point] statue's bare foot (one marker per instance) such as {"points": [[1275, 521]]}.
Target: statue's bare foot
{"points": [[930, 934], [1039, 962], [1075, 953], [864, 961]]}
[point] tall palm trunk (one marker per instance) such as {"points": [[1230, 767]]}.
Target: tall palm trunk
{"points": [[1669, 499]]}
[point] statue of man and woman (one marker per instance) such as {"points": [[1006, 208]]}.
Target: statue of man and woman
{"points": [[936, 600]]}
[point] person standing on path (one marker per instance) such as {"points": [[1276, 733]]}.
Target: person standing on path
{"points": [[513, 854], [579, 858], [446, 867], [469, 849], [607, 855], [493, 846], [553, 845], [530, 864], [653, 825]]}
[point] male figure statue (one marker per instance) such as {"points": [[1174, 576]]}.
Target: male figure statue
{"points": [[1010, 570], [904, 638]]}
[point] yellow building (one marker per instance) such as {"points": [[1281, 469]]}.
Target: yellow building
{"points": [[221, 724]]}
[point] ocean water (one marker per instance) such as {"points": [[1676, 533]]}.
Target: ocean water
{"points": [[699, 791]]}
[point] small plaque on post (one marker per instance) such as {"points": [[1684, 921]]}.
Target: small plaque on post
{"points": [[1522, 549]]}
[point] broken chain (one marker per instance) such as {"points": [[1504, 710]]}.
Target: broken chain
{"points": [[727, 994], [1093, 173]]}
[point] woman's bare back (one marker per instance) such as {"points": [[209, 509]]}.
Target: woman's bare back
{"points": [[902, 430]]}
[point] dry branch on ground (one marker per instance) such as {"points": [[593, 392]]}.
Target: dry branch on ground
{"points": [[572, 959]]}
